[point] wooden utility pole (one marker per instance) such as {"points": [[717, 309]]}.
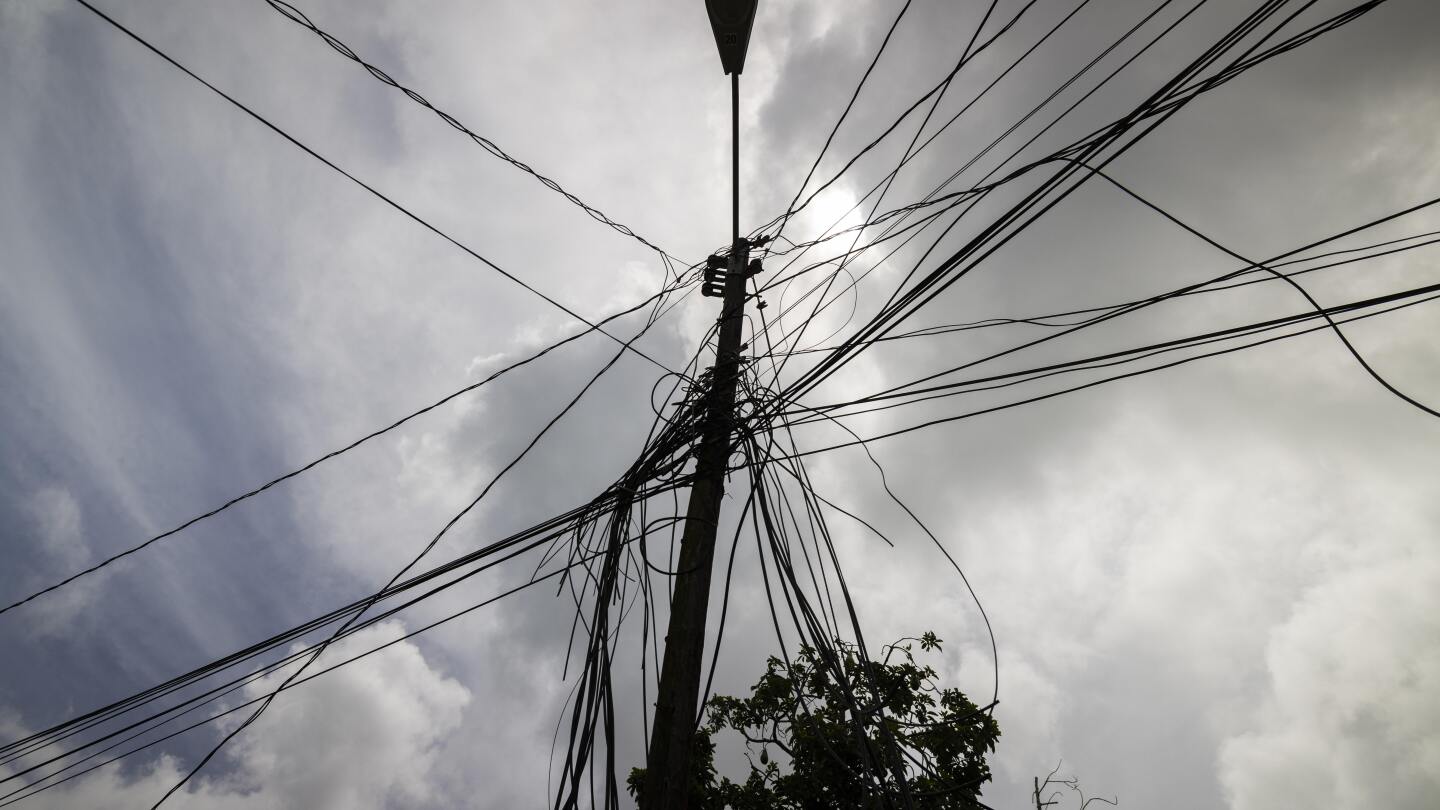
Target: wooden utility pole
{"points": [[668, 770]]}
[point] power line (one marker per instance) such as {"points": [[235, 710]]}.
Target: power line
{"points": [[1359, 358], [362, 184], [1046, 320], [884, 43], [592, 327], [974, 194], [324, 458], [1009, 378], [1153, 300], [1058, 186], [413, 562], [298, 17]]}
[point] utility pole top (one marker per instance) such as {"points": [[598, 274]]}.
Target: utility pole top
{"points": [[731, 21]]}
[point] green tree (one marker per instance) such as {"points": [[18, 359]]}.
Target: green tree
{"points": [[814, 743]]}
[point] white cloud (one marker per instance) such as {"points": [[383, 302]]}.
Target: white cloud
{"points": [[58, 520], [1352, 718]]}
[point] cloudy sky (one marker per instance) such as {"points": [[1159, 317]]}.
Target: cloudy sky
{"points": [[1212, 586]]}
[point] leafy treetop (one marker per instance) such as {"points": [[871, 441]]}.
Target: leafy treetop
{"points": [[830, 730]]}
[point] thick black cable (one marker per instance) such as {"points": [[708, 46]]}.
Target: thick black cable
{"points": [[1041, 200], [1097, 311], [4, 800], [1084, 386], [1359, 358], [454, 520], [322, 459], [1189, 288], [1010, 378], [972, 194], [884, 43]]}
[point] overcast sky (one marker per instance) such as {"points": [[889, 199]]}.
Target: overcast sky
{"points": [[1212, 586]]}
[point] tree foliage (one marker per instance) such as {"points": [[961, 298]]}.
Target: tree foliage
{"points": [[832, 730]]}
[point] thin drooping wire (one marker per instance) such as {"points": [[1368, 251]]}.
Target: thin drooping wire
{"points": [[326, 457], [404, 570], [295, 15], [1052, 190], [884, 43], [1049, 320], [973, 195], [591, 327], [1091, 384], [1153, 300], [357, 181], [909, 148], [974, 597], [879, 765], [803, 477], [1359, 358], [1010, 378], [7, 798]]}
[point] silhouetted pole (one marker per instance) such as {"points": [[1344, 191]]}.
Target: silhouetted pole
{"points": [[667, 776]]}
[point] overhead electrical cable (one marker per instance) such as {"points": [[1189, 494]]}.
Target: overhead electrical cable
{"points": [[324, 458], [1009, 378], [920, 130], [972, 195], [884, 43], [591, 327], [413, 562], [295, 15], [1175, 293], [13, 796], [1047, 320], [884, 184], [983, 92], [362, 184], [1051, 191], [1340, 334], [1091, 384], [944, 82]]}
